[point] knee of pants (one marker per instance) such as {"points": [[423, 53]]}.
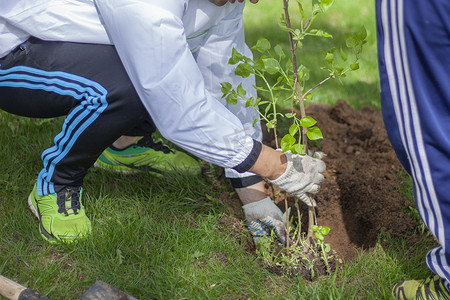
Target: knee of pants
{"points": [[124, 99]]}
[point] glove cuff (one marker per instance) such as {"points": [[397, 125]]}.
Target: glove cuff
{"points": [[251, 206], [261, 209], [284, 178]]}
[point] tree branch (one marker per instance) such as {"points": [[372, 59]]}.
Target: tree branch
{"points": [[297, 86], [317, 85]]}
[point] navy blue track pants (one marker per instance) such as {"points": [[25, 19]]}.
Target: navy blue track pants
{"points": [[414, 60], [85, 82]]}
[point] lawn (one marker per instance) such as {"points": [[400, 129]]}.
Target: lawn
{"points": [[165, 238]]}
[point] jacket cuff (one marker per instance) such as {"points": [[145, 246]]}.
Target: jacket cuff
{"points": [[248, 163], [243, 182]]}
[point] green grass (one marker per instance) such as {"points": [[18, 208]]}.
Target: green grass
{"points": [[159, 238]]}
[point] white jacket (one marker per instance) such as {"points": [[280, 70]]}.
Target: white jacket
{"points": [[176, 54]]}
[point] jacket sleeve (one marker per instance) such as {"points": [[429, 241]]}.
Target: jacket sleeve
{"points": [[151, 42], [212, 59]]}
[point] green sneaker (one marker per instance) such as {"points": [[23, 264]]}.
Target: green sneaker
{"points": [[430, 288], [61, 216], [147, 156]]}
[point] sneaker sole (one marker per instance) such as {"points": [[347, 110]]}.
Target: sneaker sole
{"points": [[32, 208], [48, 237]]}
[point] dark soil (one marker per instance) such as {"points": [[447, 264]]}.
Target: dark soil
{"points": [[360, 197], [361, 194]]}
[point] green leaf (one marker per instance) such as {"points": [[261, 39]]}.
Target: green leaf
{"points": [[289, 115], [350, 40], [262, 45], [282, 24], [258, 64], [300, 9], [279, 51], [314, 133], [362, 33], [339, 69], [329, 58], [289, 80], [356, 40], [289, 65], [326, 4], [286, 142], [240, 90], [255, 120], [307, 122], [299, 149], [226, 87], [235, 57], [321, 33], [232, 98], [249, 102], [280, 79], [354, 67], [244, 70], [344, 57], [326, 248], [271, 65], [293, 129], [315, 9], [314, 227], [309, 96], [303, 73], [325, 230]]}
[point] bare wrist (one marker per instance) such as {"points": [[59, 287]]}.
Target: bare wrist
{"points": [[270, 164]]}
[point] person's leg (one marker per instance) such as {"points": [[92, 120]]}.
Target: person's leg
{"points": [[413, 46], [86, 82], [89, 84]]}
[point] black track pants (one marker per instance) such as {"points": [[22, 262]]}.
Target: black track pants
{"points": [[87, 83]]}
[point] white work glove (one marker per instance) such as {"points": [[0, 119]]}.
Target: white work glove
{"points": [[302, 177], [263, 216]]}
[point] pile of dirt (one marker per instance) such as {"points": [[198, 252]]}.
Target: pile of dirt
{"points": [[360, 196]]}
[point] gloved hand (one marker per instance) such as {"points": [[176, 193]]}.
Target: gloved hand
{"points": [[302, 177], [264, 215]]}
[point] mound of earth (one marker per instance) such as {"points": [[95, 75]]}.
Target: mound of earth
{"points": [[360, 196]]}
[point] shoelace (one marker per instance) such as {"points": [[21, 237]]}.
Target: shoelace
{"points": [[71, 194], [148, 142]]}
